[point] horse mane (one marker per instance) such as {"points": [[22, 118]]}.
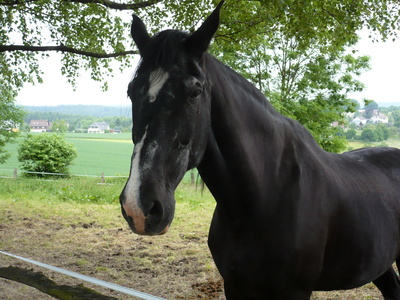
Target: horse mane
{"points": [[247, 86], [254, 101]]}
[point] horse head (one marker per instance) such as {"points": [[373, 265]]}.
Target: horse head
{"points": [[170, 98]]}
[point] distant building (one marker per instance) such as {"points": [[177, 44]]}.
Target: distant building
{"points": [[378, 117], [359, 121], [98, 127], [40, 125]]}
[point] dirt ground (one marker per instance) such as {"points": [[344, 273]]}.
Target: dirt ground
{"points": [[174, 266]]}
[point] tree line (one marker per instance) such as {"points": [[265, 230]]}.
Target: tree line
{"points": [[78, 123], [83, 110], [371, 133]]}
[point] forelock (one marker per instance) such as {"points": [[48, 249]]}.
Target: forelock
{"points": [[165, 50]]}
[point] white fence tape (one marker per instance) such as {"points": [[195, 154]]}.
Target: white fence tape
{"points": [[102, 283]]}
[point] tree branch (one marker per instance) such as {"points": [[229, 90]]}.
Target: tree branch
{"points": [[62, 48], [106, 3], [119, 6], [16, 2]]}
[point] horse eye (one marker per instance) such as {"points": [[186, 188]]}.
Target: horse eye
{"points": [[196, 94]]}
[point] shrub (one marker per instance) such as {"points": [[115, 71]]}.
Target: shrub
{"points": [[375, 133], [383, 131], [45, 152], [369, 135], [351, 134]]}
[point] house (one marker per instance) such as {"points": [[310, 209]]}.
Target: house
{"points": [[378, 117], [98, 127], [359, 121], [39, 125]]}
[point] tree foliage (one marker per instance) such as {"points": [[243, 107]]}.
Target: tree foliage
{"points": [[351, 134], [375, 133], [48, 153], [11, 117], [59, 126], [91, 33], [396, 118], [87, 33], [371, 105]]}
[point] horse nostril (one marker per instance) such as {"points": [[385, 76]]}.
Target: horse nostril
{"points": [[156, 210]]}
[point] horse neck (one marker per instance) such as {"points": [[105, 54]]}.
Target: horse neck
{"points": [[250, 143]]}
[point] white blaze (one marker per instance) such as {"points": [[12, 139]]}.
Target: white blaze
{"points": [[131, 205], [157, 80], [133, 184]]}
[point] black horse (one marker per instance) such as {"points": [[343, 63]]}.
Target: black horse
{"points": [[290, 217]]}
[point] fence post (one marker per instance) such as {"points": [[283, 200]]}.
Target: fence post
{"points": [[102, 177], [15, 173], [192, 177]]}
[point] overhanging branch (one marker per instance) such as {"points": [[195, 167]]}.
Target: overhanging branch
{"points": [[119, 6], [62, 48], [106, 3]]}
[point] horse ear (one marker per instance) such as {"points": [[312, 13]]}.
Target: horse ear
{"points": [[139, 34], [199, 41]]}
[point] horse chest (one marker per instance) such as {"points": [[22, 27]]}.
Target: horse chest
{"points": [[263, 250]]}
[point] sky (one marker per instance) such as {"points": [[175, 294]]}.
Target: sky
{"points": [[55, 90], [382, 81]]}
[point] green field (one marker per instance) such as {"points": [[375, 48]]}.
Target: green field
{"points": [[97, 153], [101, 153], [111, 157], [391, 142]]}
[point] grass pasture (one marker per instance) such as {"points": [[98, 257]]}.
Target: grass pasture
{"points": [[96, 156], [391, 142], [97, 153], [101, 153]]}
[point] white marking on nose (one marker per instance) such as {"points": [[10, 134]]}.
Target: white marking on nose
{"points": [[157, 80], [131, 205], [132, 189]]}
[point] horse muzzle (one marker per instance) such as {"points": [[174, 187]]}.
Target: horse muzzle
{"points": [[150, 219]]}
